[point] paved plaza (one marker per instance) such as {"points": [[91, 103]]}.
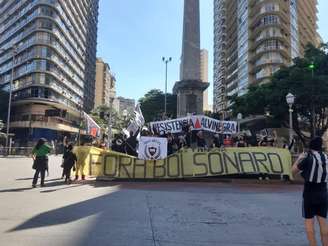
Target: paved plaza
{"points": [[144, 213]]}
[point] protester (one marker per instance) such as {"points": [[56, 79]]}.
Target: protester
{"points": [[118, 145], [187, 132], [65, 149], [263, 142], [131, 144], [218, 140], [175, 146], [313, 168], [227, 142], [80, 163], [181, 141], [200, 140], [40, 156], [241, 142], [69, 162], [170, 143], [288, 146]]}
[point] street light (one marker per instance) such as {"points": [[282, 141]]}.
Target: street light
{"points": [[312, 67], [239, 118], [290, 98], [166, 61]]}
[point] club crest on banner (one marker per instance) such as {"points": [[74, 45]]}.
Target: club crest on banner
{"points": [[152, 148]]}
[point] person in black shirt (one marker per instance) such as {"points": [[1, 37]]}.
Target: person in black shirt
{"points": [[200, 140], [69, 162], [170, 142], [218, 140], [313, 168], [241, 142], [131, 144]]}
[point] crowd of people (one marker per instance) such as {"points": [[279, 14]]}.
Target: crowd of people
{"points": [[189, 138], [312, 165], [70, 162]]}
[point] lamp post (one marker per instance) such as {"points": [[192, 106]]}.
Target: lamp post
{"points": [[290, 98], [166, 61], [239, 118], [14, 52], [312, 67]]}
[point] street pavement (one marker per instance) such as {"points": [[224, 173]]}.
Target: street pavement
{"points": [[144, 213]]}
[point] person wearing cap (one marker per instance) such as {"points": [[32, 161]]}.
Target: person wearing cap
{"points": [[313, 168], [40, 156]]}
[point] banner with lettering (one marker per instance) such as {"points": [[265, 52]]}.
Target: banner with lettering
{"points": [[197, 122], [152, 148], [188, 163]]}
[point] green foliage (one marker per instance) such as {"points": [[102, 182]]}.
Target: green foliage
{"points": [[118, 121], [309, 86], [152, 105], [214, 115]]}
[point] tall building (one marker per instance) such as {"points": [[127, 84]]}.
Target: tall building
{"points": [[204, 76], [105, 84], [190, 88], [50, 45], [254, 38], [121, 104]]}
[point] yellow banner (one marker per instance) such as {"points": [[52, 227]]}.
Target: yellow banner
{"points": [[186, 163]]}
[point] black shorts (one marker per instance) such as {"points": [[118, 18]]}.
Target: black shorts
{"points": [[315, 204]]}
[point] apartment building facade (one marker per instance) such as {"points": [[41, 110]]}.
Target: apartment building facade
{"points": [[105, 84], [50, 46], [254, 38]]}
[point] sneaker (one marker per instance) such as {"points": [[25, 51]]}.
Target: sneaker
{"points": [[76, 177], [33, 186]]}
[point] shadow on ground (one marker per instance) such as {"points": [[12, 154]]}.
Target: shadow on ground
{"points": [[66, 214]]}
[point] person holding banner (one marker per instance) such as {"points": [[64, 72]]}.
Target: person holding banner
{"points": [[200, 140], [131, 144], [313, 167]]}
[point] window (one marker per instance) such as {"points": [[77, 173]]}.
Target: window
{"points": [[35, 92]]}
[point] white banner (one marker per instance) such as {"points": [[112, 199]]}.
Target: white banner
{"points": [[197, 122], [136, 123], [152, 148]]}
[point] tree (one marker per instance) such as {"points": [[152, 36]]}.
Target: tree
{"points": [[307, 79], [152, 105], [117, 121]]}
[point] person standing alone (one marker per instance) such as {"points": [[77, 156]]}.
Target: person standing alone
{"points": [[313, 168], [40, 156], [69, 162]]}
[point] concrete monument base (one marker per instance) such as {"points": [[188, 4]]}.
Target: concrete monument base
{"points": [[190, 96]]}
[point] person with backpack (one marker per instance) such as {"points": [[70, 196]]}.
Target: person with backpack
{"points": [[69, 163], [313, 166], [40, 156]]}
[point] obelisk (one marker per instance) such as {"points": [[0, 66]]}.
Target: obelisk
{"points": [[190, 88]]}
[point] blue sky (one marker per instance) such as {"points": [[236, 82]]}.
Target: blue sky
{"points": [[134, 35]]}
